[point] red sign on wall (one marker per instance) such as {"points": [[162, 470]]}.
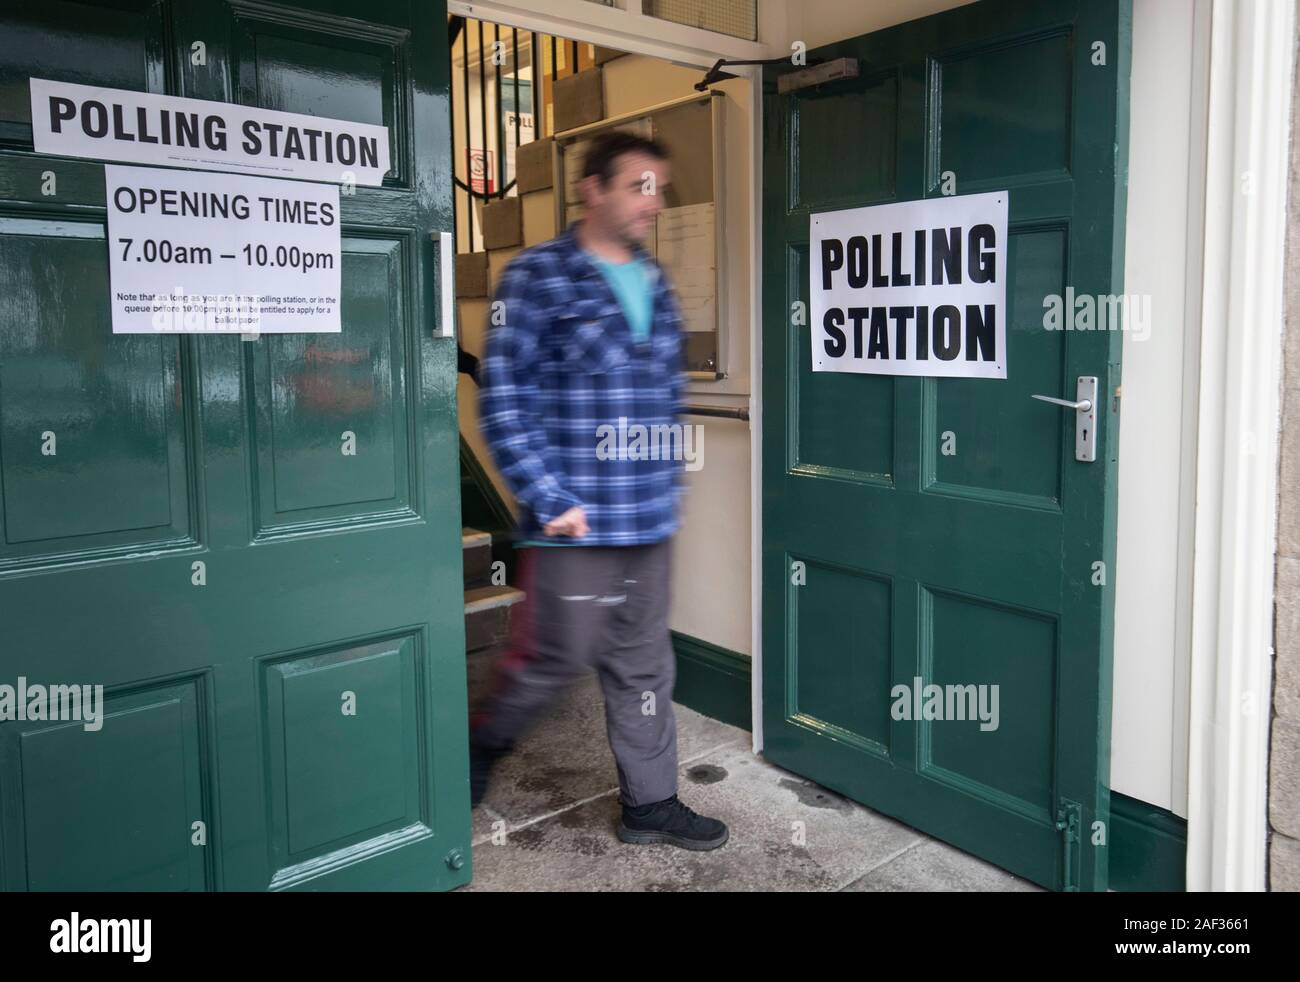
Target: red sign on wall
{"points": [[480, 171]]}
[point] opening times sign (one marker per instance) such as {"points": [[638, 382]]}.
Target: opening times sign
{"points": [[913, 288], [196, 252]]}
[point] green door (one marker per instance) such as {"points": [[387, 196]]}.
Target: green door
{"points": [[946, 530], [290, 714]]}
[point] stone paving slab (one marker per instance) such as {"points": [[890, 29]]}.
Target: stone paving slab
{"points": [[787, 834], [567, 759]]}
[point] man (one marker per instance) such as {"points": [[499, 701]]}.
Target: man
{"points": [[584, 338]]}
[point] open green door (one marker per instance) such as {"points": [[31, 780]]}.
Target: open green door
{"points": [[228, 757], [946, 528]]}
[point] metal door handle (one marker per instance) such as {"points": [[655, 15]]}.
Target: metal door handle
{"points": [[1084, 404], [1085, 416]]}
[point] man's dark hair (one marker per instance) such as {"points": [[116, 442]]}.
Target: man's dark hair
{"points": [[603, 153]]}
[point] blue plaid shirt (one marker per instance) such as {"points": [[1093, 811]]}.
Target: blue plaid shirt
{"points": [[565, 390]]}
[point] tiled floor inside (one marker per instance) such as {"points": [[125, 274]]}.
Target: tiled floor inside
{"points": [[549, 817]]}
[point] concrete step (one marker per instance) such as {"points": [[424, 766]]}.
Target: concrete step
{"points": [[476, 550], [487, 615]]}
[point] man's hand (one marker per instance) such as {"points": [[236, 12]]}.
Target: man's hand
{"points": [[573, 522]]}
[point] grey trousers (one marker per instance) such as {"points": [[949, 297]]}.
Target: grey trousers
{"points": [[601, 607]]}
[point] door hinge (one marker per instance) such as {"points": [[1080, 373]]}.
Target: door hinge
{"points": [[1068, 819]]}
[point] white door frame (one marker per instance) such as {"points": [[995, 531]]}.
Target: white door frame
{"points": [[1241, 353], [615, 27]]}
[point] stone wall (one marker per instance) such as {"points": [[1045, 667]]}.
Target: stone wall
{"points": [[1284, 755]]}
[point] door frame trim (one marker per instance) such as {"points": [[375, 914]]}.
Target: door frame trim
{"points": [[627, 30], [1232, 609]]}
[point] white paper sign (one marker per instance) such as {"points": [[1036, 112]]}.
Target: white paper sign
{"points": [[191, 252], [144, 128], [913, 288]]}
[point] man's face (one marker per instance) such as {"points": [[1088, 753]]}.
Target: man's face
{"points": [[627, 205]]}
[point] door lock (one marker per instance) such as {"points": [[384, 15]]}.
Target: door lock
{"points": [[1085, 417]]}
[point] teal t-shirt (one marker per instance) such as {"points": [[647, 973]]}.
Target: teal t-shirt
{"points": [[633, 284]]}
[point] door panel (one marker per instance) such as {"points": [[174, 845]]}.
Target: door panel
{"points": [[1021, 463], [860, 119], [120, 44], [325, 65], [292, 714], [113, 473], [946, 531], [989, 124], [314, 389], [311, 747], [104, 811]]}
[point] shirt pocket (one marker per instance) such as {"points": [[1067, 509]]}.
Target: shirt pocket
{"points": [[587, 341]]}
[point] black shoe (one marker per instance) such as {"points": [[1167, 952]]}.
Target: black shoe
{"points": [[481, 761], [672, 822]]}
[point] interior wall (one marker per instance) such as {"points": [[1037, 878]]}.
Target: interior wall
{"points": [[711, 561]]}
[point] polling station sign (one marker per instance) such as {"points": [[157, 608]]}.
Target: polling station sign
{"points": [[192, 252], [170, 131], [912, 288]]}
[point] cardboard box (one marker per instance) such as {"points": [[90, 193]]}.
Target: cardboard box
{"points": [[498, 260], [539, 217], [503, 223], [471, 274], [534, 165], [579, 99]]}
